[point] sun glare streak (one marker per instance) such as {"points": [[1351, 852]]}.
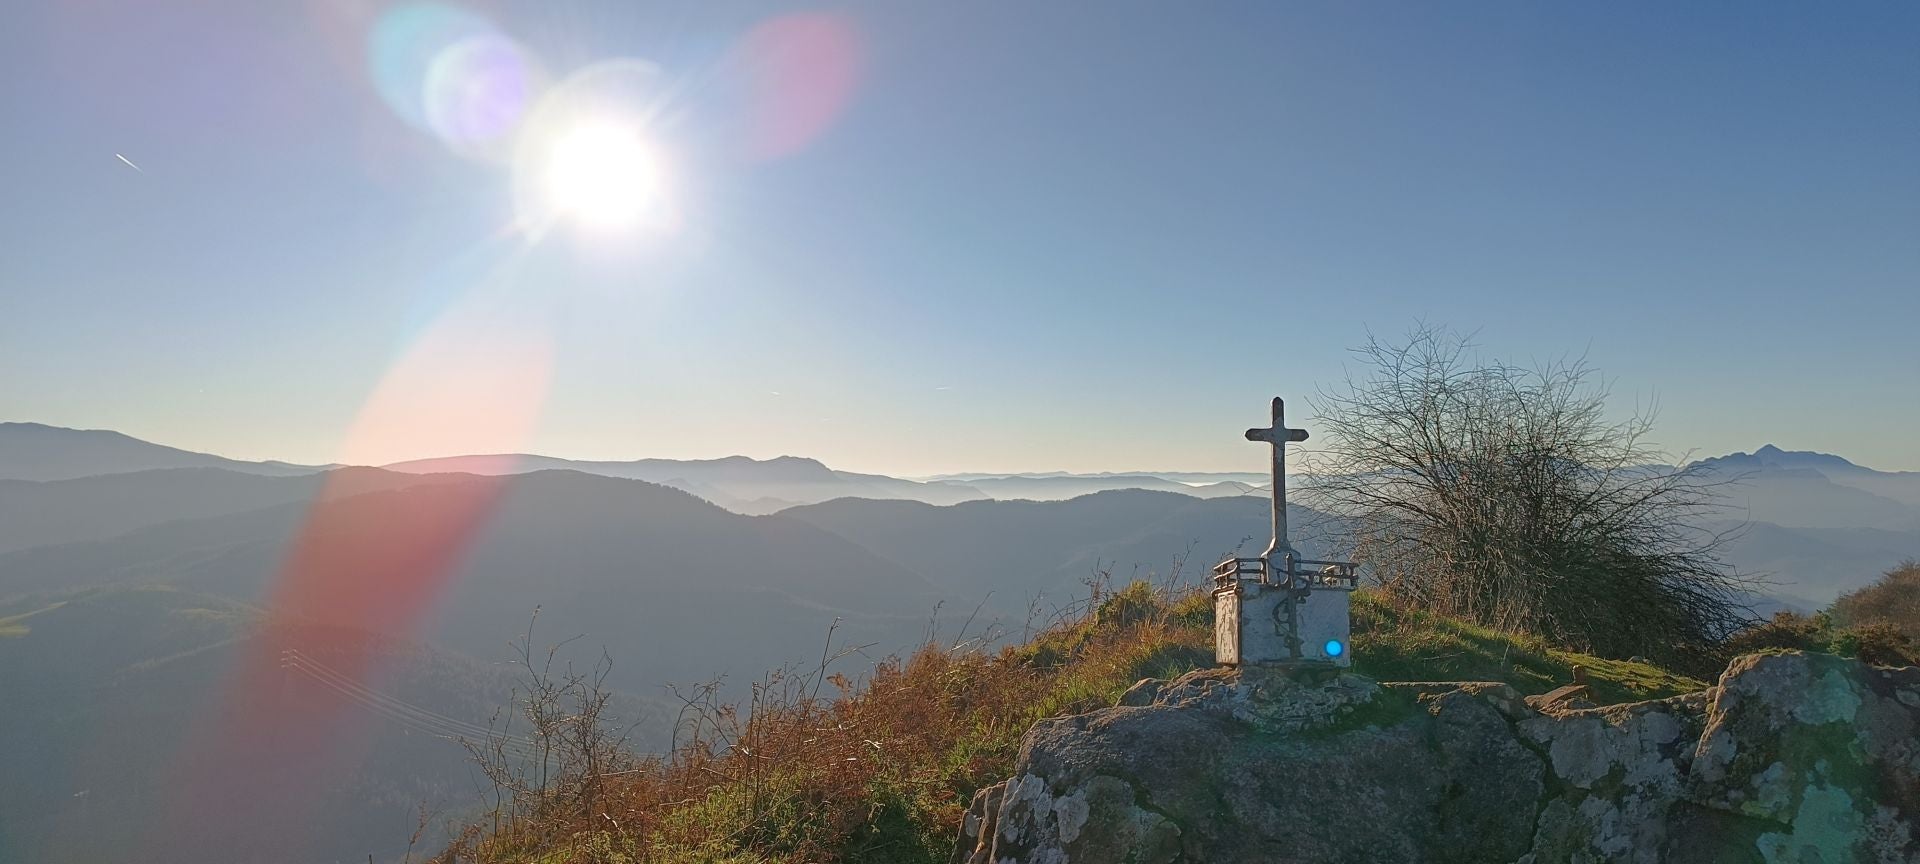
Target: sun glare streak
{"points": [[373, 568], [589, 153]]}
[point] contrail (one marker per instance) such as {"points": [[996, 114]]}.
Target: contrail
{"points": [[129, 163]]}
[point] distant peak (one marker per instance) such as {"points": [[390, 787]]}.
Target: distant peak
{"points": [[43, 428], [1770, 456]]}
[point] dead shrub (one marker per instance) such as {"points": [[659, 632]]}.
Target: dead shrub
{"points": [[816, 766]]}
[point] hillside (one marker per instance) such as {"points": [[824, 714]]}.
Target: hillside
{"points": [[53, 512], [685, 589], [114, 686], [1814, 524], [680, 590], [1019, 550], [677, 588], [883, 770], [34, 451]]}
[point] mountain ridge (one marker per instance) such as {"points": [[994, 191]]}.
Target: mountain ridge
{"points": [[40, 452]]}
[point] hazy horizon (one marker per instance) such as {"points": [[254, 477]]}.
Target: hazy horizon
{"points": [[1258, 468]]}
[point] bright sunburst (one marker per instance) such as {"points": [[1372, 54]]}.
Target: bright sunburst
{"points": [[603, 175]]}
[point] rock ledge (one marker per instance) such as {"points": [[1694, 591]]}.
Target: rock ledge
{"points": [[1789, 758]]}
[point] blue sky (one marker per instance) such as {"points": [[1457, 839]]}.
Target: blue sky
{"points": [[1029, 237]]}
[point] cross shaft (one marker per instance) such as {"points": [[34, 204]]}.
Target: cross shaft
{"points": [[1279, 436]]}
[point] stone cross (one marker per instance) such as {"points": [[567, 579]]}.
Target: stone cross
{"points": [[1278, 608], [1279, 436]]}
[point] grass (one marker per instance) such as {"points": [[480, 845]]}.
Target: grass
{"points": [[1392, 644], [882, 769]]}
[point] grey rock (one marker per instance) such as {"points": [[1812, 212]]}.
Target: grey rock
{"points": [[1790, 758]]}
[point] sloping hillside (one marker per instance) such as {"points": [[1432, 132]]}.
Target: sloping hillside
{"points": [[44, 513], [106, 691], [35, 451], [883, 770], [677, 588], [1017, 550]]}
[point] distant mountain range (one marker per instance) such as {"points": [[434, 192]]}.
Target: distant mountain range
{"points": [[682, 570], [1816, 522], [678, 588], [740, 484], [33, 451], [758, 487], [1801, 488], [36, 452]]}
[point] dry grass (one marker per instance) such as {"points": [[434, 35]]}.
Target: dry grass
{"points": [[1892, 601], [819, 767], [1877, 642]]}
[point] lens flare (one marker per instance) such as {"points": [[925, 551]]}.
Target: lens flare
{"points": [[452, 73], [587, 155], [800, 72], [476, 92], [602, 174]]}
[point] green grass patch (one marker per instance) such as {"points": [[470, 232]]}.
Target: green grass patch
{"points": [[1393, 644]]}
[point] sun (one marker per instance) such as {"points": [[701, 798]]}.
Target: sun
{"points": [[603, 175]]}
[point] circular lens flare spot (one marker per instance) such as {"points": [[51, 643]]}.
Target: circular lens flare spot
{"points": [[801, 71], [602, 174], [475, 94], [1335, 648], [452, 73]]}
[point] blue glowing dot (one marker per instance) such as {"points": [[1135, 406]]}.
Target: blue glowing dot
{"points": [[1335, 648]]}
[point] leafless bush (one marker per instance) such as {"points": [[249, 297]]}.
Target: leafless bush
{"points": [[1504, 495], [815, 766], [553, 751]]}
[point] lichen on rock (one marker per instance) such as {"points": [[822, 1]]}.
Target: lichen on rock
{"points": [[1790, 758]]}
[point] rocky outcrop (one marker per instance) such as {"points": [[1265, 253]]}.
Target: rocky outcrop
{"points": [[1791, 758]]}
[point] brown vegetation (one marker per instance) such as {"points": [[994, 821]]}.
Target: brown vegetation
{"points": [[1875, 643], [1503, 496], [1893, 601], [1879, 624], [878, 770], [816, 767]]}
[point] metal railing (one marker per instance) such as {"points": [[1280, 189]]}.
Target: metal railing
{"points": [[1304, 573]]}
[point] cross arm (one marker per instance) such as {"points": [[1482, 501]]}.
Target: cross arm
{"points": [[1267, 435]]}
